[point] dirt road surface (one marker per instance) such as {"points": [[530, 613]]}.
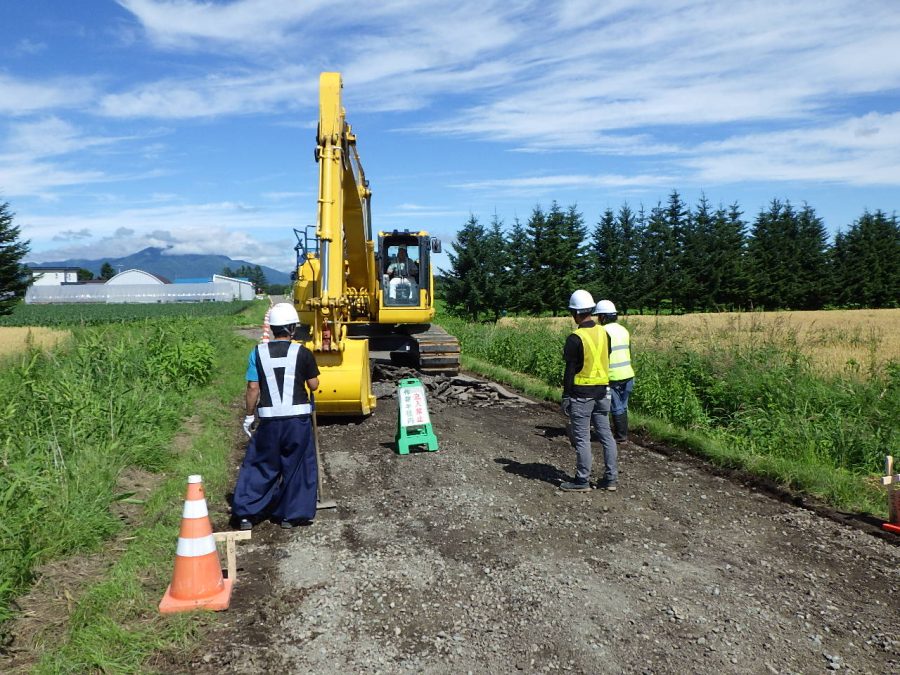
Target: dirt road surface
{"points": [[471, 560]]}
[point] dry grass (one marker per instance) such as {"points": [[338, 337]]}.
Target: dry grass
{"points": [[856, 342], [14, 340]]}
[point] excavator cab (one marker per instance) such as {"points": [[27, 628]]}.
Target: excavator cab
{"points": [[403, 259]]}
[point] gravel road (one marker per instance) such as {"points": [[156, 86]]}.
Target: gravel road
{"points": [[471, 560]]}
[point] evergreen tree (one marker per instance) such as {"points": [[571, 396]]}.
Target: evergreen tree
{"points": [[577, 247], [496, 294], [866, 262], [14, 278], [562, 256], [811, 287], [653, 266], [517, 253], [624, 292], [713, 258], [466, 280], [729, 237], [258, 277], [771, 251], [107, 271], [678, 217], [84, 274], [536, 296], [698, 277], [604, 252]]}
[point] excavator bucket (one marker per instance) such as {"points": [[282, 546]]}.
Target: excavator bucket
{"points": [[345, 381]]}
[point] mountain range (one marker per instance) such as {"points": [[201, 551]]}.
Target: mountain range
{"points": [[172, 266]]}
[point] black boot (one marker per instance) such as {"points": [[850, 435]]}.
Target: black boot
{"points": [[620, 427]]}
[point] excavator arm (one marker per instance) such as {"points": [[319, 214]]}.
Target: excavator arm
{"points": [[337, 279]]}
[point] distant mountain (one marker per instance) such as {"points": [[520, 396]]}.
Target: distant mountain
{"points": [[181, 266]]}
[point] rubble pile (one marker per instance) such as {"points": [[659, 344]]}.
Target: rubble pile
{"points": [[453, 389]]}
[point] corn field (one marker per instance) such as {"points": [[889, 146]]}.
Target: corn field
{"points": [[96, 315]]}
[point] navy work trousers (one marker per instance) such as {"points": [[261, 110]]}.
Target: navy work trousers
{"points": [[278, 476]]}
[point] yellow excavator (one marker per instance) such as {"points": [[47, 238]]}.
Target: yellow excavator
{"points": [[354, 291]]}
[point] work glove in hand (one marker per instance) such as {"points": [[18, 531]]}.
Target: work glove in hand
{"points": [[248, 420], [566, 405]]}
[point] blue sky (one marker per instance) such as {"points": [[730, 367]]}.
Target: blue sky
{"points": [[134, 123]]}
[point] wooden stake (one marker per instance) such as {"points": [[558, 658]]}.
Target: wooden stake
{"points": [[893, 494], [229, 538]]}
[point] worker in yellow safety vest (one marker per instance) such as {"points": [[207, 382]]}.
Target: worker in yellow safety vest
{"points": [[621, 374], [585, 398]]}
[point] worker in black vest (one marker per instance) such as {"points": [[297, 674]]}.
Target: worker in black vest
{"points": [[278, 476]]}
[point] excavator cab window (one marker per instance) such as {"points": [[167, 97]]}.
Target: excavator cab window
{"points": [[402, 270]]}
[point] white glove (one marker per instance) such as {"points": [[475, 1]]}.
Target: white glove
{"points": [[248, 420]]}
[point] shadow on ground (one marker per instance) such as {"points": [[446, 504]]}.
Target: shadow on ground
{"points": [[533, 470]]}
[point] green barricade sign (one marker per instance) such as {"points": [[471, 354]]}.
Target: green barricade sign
{"points": [[413, 422]]}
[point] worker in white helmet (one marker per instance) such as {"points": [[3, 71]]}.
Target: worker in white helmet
{"points": [[585, 398], [278, 476], [621, 374], [403, 276]]}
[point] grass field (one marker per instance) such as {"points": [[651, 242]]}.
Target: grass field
{"points": [[88, 417], [14, 340], [809, 399]]}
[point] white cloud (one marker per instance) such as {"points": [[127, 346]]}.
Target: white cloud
{"points": [[21, 176], [26, 47], [215, 95], [858, 151], [252, 23], [41, 156], [51, 136], [544, 184], [421, 211], [282, 196], [233, 229], [69, 235], [20, 96]]}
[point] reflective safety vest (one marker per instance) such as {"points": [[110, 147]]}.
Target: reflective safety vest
{"points": [[596, 357], [286, 400], [620, 352]]}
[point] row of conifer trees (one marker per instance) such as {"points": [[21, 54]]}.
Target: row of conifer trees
{"points": [[674, 258]]}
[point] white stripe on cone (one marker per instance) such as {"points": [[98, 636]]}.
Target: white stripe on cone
{"points": [[195, 508], [194, 548]]}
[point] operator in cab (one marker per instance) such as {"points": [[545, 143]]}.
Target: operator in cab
{"points": [[278, 476], [403, 276]]}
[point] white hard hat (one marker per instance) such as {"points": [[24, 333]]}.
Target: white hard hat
{"points": [[581, 301], [283, 314], [605, 307]]}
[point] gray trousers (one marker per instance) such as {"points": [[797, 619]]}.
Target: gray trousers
{"points": [[584, 413]]}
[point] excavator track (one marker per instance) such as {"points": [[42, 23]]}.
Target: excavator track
{"points": [[438, 351]]}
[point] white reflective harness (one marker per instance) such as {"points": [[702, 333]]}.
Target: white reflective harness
{"points": [[282, 401]]}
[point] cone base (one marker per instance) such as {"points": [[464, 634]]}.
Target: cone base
{"points": [[890, 527], [215, 603]]}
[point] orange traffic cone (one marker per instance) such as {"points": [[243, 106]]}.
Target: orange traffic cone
{"points": [[197, 581]]}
